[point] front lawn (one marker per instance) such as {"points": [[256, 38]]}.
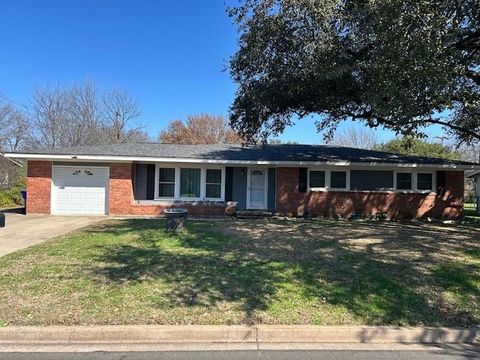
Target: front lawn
{"points": [[237, 272]]}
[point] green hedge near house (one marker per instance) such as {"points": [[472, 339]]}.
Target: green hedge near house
{"points": [[12, 197]]}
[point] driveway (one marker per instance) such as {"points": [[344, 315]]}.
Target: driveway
{"points": [[23, 231]]}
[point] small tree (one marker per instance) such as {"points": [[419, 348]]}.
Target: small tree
{"points": [[199, 129]]}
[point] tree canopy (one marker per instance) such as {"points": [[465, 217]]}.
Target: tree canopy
{"points": [[199, 129], [418, 147], [398, 64]]}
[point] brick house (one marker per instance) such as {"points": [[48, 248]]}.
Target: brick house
{"points": [[293, 180]]}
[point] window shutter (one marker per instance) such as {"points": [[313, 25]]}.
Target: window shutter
{"points": [[229, 184], [302, 180], [150, 181], [440, 183]]}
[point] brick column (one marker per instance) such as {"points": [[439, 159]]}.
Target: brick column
{"points": [[39, 187], [120, 189]]}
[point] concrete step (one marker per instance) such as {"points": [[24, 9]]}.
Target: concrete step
{"points": [[253, 214]]}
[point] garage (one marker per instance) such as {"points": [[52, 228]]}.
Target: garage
{"points": [[79, 190]]}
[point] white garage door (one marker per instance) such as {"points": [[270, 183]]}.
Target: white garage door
{"points": [[79, 190]]}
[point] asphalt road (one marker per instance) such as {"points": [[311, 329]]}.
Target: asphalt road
{"points": [[443, 354]]}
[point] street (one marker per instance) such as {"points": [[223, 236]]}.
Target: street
{"points": [[444, 353]]}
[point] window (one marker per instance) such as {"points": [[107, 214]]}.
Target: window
{"points": [[338, 180], [404, 181], [190, 183], [424, 181], [375, 180], [213, 185], [166, 182], [317, 179]]}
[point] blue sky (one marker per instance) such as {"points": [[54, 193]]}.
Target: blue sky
{"points": [[170, 55]]}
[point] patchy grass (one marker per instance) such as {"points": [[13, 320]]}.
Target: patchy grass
{"points": [[236, 272]]}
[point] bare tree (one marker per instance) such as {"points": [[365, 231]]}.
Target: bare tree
{"points": [[49, 117], [83, 114], [18, 135], [356, 136], [5, 110], [14, 127], [200, 129], [14, 133], [80, 115], [121, 113]]}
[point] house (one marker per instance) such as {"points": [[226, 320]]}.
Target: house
{"points": [[294, 180], [9, 171], [475, 175]]}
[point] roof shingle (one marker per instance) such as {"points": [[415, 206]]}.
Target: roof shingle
{"points": [[231, 152]]}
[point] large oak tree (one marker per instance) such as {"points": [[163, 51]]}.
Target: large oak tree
{"points": [[401, 64]]}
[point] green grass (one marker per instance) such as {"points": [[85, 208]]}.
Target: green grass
{"points": [[247, 272]]}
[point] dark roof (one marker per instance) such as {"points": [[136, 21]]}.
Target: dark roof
{"points": [[230, 152]]}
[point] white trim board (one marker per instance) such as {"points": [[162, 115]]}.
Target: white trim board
{"points": [[235, 162]]}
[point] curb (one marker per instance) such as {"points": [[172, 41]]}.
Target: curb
{"points": [[262, 334]]}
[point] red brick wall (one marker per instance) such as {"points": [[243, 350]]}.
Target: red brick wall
{"points": [[120, 190], [289, 201], [39, 187], [121, 199]]}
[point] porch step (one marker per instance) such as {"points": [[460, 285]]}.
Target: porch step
{"points": [[253, 214]]}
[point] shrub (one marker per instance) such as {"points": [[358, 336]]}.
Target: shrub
{"points": [[11, 197]]}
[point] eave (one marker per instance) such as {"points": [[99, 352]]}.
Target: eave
{"points": [[112, 158]]}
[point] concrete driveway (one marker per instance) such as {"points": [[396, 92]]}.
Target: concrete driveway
{"points": [[23, 231]]}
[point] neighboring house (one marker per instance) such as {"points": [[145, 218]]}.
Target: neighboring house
{"points": [[293, 180], [475, 175], [9, 171]]}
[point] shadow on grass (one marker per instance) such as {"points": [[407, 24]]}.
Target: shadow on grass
{"points": [[196, 277], [250, 262]]}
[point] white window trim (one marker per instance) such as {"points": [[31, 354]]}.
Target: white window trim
{"points": [[220, 183], [328, 178], [414, 173], [434, 182], [317, 188], [157, 181], [203, 181], [347, 180], [413, 178]]}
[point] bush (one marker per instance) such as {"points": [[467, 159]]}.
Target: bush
{"points": [[11, 197]]}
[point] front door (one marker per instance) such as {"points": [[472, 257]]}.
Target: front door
{"points": [[257, 186]]}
